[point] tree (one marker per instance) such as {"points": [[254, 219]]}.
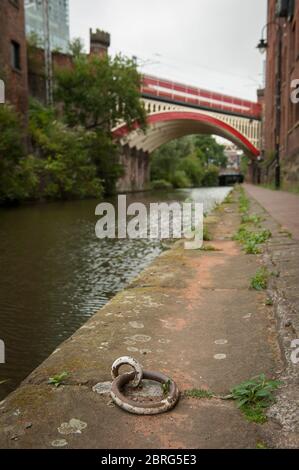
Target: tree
{"points": [[64, 165], [189, 161], [99, 92], [166, 159], [193, 169], [17, 178], [104, 154], [76, 47], [209, 151]]}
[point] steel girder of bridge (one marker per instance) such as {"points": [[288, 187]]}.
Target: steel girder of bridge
{"points": [[175, 110]]}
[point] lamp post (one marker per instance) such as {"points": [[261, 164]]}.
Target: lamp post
{"points": [[262, 47]]}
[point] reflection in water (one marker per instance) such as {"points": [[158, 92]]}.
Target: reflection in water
{"points": [[54, 273]]}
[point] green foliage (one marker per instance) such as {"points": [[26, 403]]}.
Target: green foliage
{"points": [[166, 387], [98, 92], [192, 168], [209, 151], [184, 163], [261, 445], [254, 396], [269, 302], [251, 219], [76, 47], [251, 248], [210, 176], [244, 164], [180, 180], [104, 154], [165, 160], [228, 199], [65, 167], [260, 280], [251, 240], [17, 179], [244, 202], [58, 379], [161, 184], [11, 135], [207, 237], [73, 152], [198, 393]]}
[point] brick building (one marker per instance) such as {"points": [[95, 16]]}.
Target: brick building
{"points": [[286, 14], [13, 58], [22, 65]]}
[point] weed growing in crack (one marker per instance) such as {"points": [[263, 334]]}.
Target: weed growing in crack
{"points": [[251, 219], [58, 379], [260, 280], [244, 202], [198, 393], [269, 302], [251, 240], [254, 396], [166, 387]]}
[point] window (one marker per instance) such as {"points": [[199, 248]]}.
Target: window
{"points": [[15, 55]]}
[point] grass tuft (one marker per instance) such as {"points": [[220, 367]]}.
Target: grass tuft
{"points": [[198, 393]]}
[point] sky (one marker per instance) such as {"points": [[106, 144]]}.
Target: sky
{"points": [[206, 43]]}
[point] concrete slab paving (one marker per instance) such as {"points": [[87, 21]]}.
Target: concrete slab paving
{"points": [[190, 315]]}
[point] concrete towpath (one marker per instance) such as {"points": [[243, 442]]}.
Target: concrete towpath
{"points": [[281, 205], [191, 315]]}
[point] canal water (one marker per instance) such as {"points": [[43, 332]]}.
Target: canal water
{"points": [[55, 273]]}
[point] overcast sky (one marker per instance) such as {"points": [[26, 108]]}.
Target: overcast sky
{"points": [[207, 43]]}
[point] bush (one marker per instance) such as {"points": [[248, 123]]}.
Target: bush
{"points": [[64, 167], [104, 154], [17, 172], [210, 177], [180, 180], [193, 169], [161, 184], [166, 159]]}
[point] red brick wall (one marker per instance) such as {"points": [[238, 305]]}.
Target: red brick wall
{"points": [[12, 28], [36, 67], [289, 136]]}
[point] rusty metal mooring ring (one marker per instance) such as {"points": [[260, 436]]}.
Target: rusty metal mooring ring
{"points": [[144, 408], [130, 361]]}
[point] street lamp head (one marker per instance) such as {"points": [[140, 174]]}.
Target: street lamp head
{"points": [[262, 46]]}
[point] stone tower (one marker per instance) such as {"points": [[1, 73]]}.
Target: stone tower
{"points": [[99, 42]]}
